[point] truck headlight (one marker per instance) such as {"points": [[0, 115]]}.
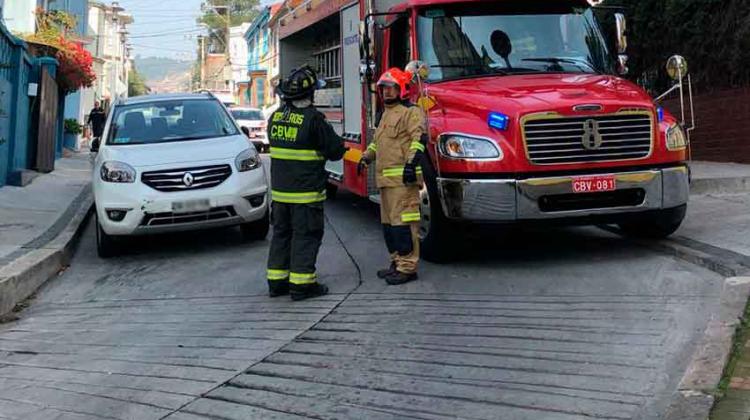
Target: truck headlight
{"points": [[119, 172], [460, 146], [247, 160], [676, 138]]}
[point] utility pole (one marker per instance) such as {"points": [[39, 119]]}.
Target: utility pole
{"points": [[202, 42]]}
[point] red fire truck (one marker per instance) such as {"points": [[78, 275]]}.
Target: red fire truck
{"points": [[529, 118]]}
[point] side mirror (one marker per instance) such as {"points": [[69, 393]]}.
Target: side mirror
{"points": [[500, 42], [364, 40], [419, 69], [677, 67], [622, 27], [246, 131], [622, 43]]}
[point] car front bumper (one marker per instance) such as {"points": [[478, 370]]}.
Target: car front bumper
{"points": [[548, 198], [150, 211]]}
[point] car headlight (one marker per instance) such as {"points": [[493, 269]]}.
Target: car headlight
{"points": [[465, 147], [119, 172], [247, 160], [676, 138]]}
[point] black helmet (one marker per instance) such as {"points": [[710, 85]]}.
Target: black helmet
{"points": [[301, 83]]}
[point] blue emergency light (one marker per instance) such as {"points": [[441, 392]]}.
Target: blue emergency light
{"points": [[660, 113], [498, 120]]}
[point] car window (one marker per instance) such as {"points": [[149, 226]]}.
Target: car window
{"points": [[245, 114], [165, 121]]}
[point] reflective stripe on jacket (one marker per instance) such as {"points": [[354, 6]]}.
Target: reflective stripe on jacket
{"points": [[301, 141], [397, 139]]}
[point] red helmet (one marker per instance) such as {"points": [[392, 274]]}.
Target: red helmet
{"points": [[396, 77]]}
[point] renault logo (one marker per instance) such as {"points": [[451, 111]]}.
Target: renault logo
{"points": [[591, 139], [188, 179]]}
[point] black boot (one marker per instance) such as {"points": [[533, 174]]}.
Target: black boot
{"points": [[307, 291], [396, 278], [278, 288], [385, 273]]}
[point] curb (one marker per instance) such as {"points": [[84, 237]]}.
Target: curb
{"points": [[703, 186], [694, 398], [47, 254]]}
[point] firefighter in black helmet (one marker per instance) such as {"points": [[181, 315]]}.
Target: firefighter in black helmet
{"points": [[301, 141]]}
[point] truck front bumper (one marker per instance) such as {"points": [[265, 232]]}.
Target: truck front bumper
{"points": [[506, 200]]}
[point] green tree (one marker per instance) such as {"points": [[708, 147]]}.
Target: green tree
{"points": [[136, 84], [215, 18]]}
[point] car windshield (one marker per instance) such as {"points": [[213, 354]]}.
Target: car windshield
{"points": [[511, 38], [245, 114], [167, 121]]}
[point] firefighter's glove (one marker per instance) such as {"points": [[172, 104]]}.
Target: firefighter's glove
{"points": [[362, 165], [410, 173]]}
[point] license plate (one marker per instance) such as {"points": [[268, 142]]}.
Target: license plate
{"points": [[190, 206], [594, 184]]}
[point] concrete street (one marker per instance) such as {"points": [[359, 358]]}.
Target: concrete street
{"points": [[556, 324]]}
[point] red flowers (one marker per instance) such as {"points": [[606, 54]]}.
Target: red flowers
{"points": [[76, 67]]}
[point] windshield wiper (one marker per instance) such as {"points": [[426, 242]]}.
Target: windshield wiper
{"points": [[556, 60]]}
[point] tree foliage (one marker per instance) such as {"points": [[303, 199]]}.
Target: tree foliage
{"points": [[713, 35], [215, 18], [136, 84]]}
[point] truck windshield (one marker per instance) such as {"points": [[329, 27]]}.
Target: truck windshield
{"points": [[500, 39]]}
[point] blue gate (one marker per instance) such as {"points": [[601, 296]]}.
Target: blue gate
{"points": [[15, 70], [6, 91]]}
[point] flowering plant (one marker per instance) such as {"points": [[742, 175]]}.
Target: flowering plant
{"points": [[76, 67]]}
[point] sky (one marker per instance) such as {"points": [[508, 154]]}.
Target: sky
{"points": [[164, 28]]}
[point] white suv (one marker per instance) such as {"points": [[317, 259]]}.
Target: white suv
{"points": [[173, 163], [252, 120]]}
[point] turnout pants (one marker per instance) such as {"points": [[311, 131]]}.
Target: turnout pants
{"points": [[399, 214], [297, 235]]}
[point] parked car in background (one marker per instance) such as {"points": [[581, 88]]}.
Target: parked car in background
{"points": [[255, 122], [174, 163]]}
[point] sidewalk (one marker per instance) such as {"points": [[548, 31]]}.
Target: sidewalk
{"points": [[38, 223], [718, 224]]}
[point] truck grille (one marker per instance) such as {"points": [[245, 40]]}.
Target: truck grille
{"points": [[574, 140], [175, 179]]}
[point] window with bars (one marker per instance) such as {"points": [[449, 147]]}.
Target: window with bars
{"points": [[328, 64]]}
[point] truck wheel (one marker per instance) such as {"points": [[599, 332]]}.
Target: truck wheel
{"points": [[435, 230], [656, 225], [255, 231], [106, 245]]}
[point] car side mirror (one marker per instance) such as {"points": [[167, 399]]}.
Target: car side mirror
{"points": [[246, 131]]}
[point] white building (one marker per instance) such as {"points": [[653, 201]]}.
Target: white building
{"points": [[18, 15], [107, 43], [238, 57]]}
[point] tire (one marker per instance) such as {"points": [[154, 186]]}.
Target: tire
{"points": [[656, 225], [436, 232], [106, 245], [257, 230]]}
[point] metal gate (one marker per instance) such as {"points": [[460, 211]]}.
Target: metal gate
{"points": [[48, 104]]}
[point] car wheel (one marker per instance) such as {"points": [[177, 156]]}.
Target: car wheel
{"points": [[255, 231], [657, 225], [436, 233], [106, 245]]}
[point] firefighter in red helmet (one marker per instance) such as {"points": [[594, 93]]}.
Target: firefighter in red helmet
{"points": [[397, 149]]}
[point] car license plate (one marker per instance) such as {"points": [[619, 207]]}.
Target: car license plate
{"points": [[191, 206], [594, 184]]}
